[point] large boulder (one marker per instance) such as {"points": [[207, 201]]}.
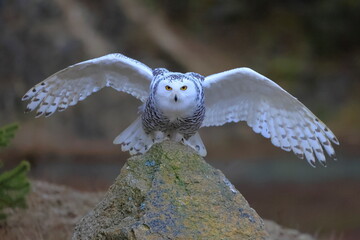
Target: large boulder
{"points": [[171, 193]]}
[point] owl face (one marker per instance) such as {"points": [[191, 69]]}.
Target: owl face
{"points": [[176, 95]]}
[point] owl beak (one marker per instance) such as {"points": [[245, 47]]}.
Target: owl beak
{"points": [[175, 98]]}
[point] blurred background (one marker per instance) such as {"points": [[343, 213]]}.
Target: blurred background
{"points": [[312, 49]]}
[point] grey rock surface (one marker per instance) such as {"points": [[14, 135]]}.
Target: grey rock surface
{"points": [[171, 193], [53, 211]]}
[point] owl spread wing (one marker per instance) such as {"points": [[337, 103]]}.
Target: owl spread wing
{"points": [[244, 95], [72, 84]]}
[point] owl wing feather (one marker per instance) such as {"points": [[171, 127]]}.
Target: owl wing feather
{"points": [[244, 95], [75, 83]]}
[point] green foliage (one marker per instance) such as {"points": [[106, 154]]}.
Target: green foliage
{"points": [[14, 185], [7, 133]]}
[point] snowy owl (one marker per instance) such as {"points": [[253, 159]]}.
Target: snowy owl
{"points": [[175, 105]]}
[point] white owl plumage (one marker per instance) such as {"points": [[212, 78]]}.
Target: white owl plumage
{"points": [[239, 94]]}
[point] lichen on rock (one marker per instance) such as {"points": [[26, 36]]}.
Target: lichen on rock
{"points": [[171, 193]]}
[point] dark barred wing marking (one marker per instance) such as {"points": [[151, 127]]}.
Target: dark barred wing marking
{"points": [[244, 95], [72, 84]]}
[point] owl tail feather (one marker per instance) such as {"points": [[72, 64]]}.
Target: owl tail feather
{"points": [[134, 139]]}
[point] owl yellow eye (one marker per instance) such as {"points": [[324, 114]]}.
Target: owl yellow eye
{"points": [[167, 87], [183, 88]]}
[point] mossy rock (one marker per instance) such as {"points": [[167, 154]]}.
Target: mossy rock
{"points": [[171, 193]]}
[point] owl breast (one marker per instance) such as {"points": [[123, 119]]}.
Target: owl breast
{"points": [[173, 113], [170, 122], [174, 110]]}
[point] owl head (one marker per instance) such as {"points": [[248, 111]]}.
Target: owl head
{"points": [[177, 92]]}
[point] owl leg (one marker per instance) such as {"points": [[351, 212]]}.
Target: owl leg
{"points": [[177, 137], [158, 136]]}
